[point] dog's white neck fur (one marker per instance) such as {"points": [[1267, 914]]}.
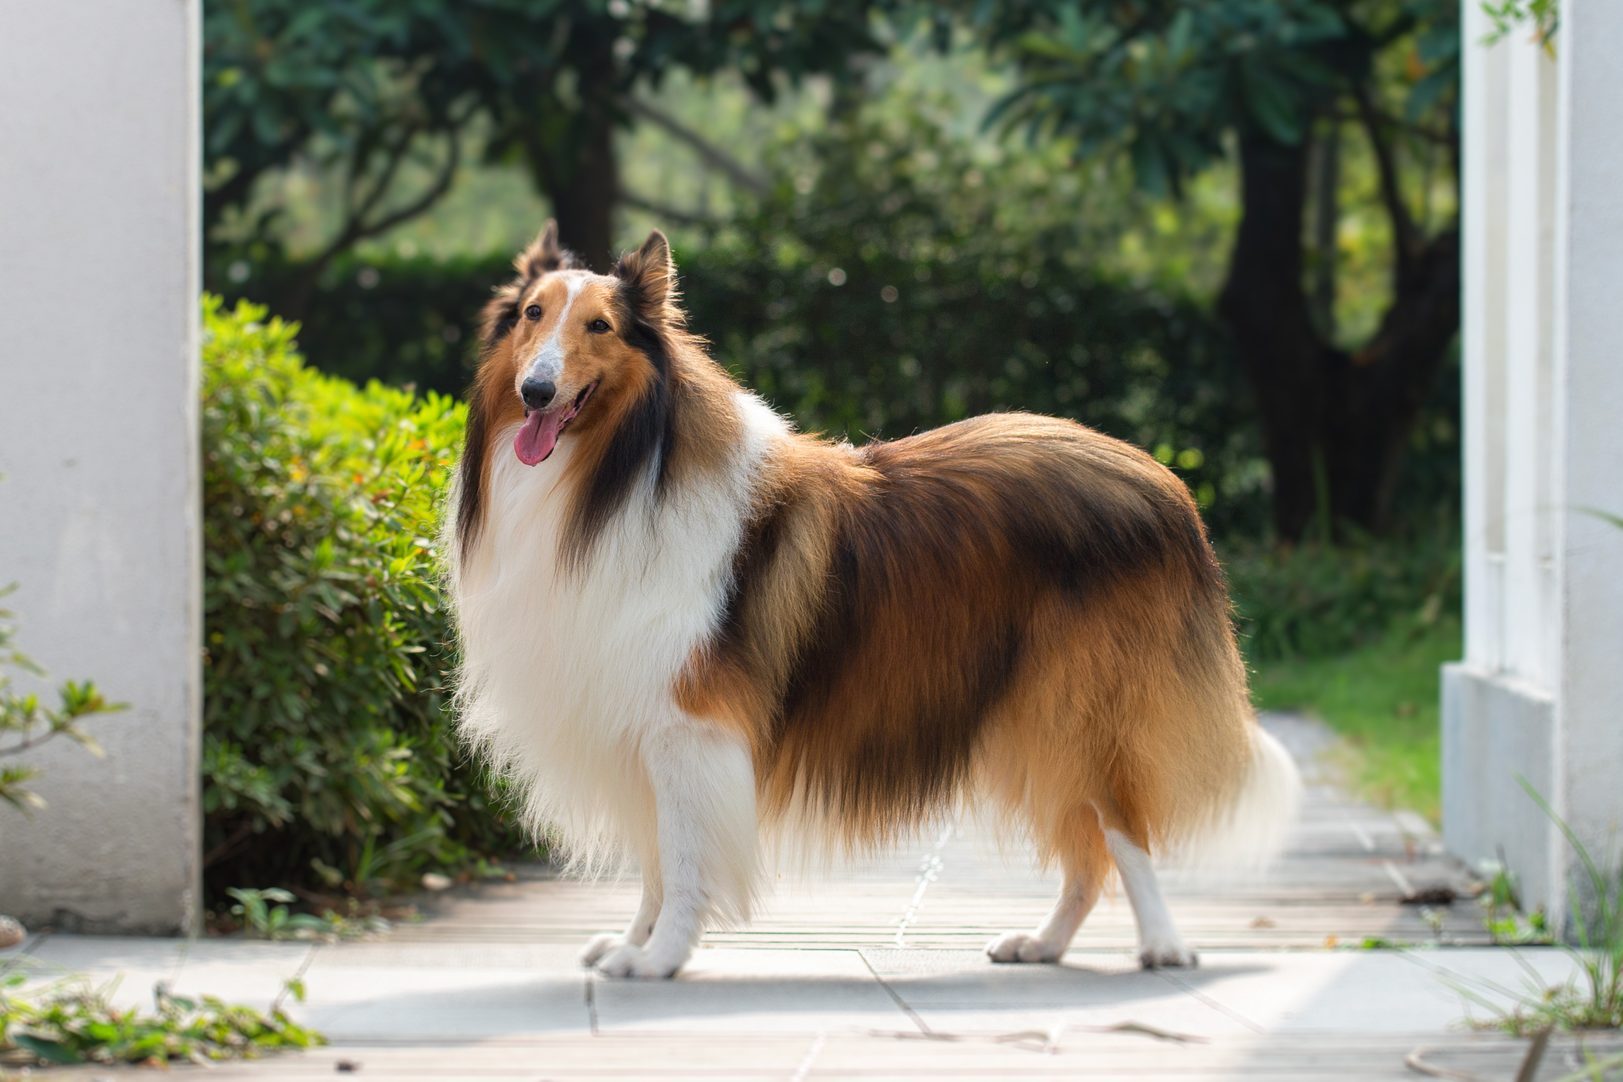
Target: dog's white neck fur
{"points": [[568, 675]]}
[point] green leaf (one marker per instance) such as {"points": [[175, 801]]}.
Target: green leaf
{"points": [[50, 1051]]}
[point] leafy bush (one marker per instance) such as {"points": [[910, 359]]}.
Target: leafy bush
{"points": [[1315, 599], [329, 760]]}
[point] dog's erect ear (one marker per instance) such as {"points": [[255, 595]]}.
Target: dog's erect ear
{"points": [[545, 254], [500, 314], [650, 277]]}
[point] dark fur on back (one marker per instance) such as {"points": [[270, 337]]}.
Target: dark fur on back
{"points": [[939, 563]]}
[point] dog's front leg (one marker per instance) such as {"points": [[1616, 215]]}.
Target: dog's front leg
{"points": [[704, 804], [642, 925]]}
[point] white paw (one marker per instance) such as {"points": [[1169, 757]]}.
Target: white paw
{"points": [[1022, 947], [628, 961], [1167, 954], [598, 946]]}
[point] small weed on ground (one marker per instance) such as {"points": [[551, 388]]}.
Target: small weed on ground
{"points": [[75, 1023], [1592, 1000], [265, 914], [1507, 925]]}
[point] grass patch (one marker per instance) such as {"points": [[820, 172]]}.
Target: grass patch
{"points": [[1384, 700]]}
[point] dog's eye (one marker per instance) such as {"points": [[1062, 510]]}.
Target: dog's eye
{"points": [[533, 312], [598, 326]]}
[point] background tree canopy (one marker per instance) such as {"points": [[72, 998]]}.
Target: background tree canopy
{"points": [[1227, 232]]}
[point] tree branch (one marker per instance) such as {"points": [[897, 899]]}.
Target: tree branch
{"points": [[1418, 131], [708, 152], [669, 213], [358, 229], [391, 166], [1406, 239]]}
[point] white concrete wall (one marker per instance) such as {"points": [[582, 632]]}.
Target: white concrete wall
{"points": [[1539, 694], [98, 445]]}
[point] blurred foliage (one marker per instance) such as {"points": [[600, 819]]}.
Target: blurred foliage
{"points": [[893, 281], [367, 85], [1316, 600], [1167, 81], [1356, 635], [969, 279], [1507, 16], [1277, 86], [27, 722], [890, 280], [329, 758]]}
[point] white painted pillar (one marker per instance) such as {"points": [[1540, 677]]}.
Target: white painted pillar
{"points": [[1589, 422], [99, 503], [1539, 694]]}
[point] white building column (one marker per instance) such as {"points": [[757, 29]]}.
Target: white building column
{"points": [[99, 503], [1539, 694]]}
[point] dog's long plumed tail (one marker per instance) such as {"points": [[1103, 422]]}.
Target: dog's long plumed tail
{"points": [[1247, 831]]}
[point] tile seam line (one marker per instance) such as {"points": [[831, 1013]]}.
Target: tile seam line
{"points": [[896, 998], [1220, 1008]]}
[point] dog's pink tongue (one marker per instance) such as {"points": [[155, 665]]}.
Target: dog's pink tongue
{"points": [[538, 437]]}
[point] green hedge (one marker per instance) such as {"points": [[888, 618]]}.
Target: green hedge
{"points": [[329, 758]]}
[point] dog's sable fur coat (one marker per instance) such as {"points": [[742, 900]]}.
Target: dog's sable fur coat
{"points": [[687, 624]]}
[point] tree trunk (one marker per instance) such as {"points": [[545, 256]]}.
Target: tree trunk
{"points": [[1265, 307], [585, 193], [1335, 424], [577, 169]]}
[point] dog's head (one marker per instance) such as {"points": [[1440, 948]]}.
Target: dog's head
{"points": [[569, 350]]}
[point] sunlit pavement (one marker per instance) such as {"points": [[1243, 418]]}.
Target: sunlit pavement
{"points": [[876, 971]]}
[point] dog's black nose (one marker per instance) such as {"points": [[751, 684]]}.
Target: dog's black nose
{"points": [[538, 392]]}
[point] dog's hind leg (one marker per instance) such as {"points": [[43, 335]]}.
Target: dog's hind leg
{"points": [[1159, 944], [1085, 863], [704, 806]]}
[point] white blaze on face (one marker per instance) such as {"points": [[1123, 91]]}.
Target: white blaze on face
{"points": [[548, 362]]}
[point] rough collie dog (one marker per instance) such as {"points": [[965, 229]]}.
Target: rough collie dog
{"points": [[683, 625]]}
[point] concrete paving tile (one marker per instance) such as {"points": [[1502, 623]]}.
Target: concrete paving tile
{"points": [[752, 991], [646, 1057], [1176, 1016], [1501, 977], [1375, 992], [433, 1003], [240, 971], [960, 992], [127, 968], [412, 954]]}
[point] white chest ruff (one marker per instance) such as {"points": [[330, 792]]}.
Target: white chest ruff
{"points": [[566, 671]]}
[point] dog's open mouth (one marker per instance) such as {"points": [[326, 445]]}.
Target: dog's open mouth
{"points": [[539, 434]]}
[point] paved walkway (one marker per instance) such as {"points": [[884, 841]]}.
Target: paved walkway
{"points": [[877, 972]]}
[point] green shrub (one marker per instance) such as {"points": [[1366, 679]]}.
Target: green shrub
{"points": [[1316, 600], [329, 759]]}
